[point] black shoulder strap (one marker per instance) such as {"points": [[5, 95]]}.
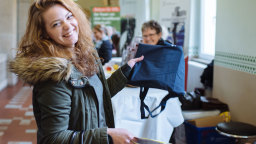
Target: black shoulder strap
{"points": [[143, 106], [143, 93]]}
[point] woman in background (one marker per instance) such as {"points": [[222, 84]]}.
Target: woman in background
{"points": [[152, 33], [103, 44], [71, 97]]}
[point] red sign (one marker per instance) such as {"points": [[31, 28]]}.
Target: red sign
{"points": [[106, 9]]}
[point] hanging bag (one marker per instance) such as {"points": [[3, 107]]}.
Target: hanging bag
{"points": [[163, 67]]}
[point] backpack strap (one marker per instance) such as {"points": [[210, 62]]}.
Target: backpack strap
{"points": [[143, 106], [143, 93]]}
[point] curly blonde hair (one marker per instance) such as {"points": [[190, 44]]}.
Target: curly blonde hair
{"points": [[35, 43]]}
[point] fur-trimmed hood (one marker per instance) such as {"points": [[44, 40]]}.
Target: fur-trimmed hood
{"points": [[41, 69]]}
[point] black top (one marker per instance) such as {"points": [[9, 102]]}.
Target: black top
{"points": [[105, 51]]}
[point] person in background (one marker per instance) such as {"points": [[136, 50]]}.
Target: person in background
{"points": [[102, 44], [71, 97], [115, 41], [152, 34]]}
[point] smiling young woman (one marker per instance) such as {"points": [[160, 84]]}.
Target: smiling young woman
{"points": [[61, 26], [71, 97]]}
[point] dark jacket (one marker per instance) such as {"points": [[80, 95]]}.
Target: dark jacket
{"points": [[161, 42], [105, 51], [62, 103]]}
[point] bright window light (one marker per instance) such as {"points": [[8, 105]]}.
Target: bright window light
{"points": [[208, 28]]}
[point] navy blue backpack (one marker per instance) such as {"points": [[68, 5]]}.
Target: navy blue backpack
{"points": [[163, 67]]}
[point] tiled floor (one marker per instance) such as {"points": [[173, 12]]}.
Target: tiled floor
{"points": [[17, 123]]}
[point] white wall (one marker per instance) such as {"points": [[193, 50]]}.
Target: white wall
{"points": [[235, 60], [22, 17], [13, 22], [8, 32], [3, 72], [235, 29], [8, 28]]}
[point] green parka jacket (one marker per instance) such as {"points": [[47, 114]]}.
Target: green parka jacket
{"points": [[63, 105]]}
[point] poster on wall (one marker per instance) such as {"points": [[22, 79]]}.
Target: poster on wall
{"points": [[107, 16], [174, 17]]}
